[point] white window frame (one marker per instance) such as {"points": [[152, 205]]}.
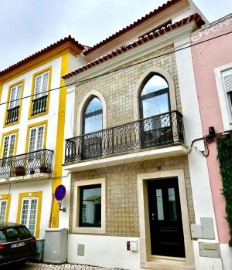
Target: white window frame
{"points": [[225, 104], [76, 207], [3, 214], [28, 219], [36, 146], [41, 85], [15, 94], [8, 153]]}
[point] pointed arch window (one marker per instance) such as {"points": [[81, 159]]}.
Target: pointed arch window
{"points": [[93, 116], [92, 129], [155, 112], [154, 97]]}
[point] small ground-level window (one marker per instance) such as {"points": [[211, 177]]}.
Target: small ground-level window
{"points": [[90, 206]]}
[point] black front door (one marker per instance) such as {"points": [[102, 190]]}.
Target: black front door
{"points": [[165, 218]]}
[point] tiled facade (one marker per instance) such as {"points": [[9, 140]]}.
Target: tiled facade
{"points": [[122, 217], [119, 88]]}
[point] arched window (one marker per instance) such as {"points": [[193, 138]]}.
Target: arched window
{"points": [[154, 110], [93, 116], [154, 97]]}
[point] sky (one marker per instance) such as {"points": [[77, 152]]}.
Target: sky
{"points": [[27, 26]]}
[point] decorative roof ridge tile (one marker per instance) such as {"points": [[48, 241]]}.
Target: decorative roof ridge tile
{"points": [[194, 17], [132, 25], [41, 52]]}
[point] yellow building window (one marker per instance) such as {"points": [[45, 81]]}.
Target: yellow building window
{"points": [[29, 211], [40, 93], [4, 207]]}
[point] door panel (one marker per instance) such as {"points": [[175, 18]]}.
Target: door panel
{"points": [[166, 229]]}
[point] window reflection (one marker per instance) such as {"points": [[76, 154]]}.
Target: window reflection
{"points": [[172, 204], [159, 201], [154, 97], [90, 206], [93, 116]]}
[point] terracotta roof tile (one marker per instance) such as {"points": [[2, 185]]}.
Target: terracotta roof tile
{"points": [[41, 52], [195, 17]]}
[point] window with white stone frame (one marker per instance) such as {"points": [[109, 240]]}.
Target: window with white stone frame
{"points": [[223, 75], [227, 83], [89, 206]]}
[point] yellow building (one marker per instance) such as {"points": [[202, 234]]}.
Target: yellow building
{"points": [[33, 100]]}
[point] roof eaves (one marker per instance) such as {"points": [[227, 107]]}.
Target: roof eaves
{"points": [[42, 52], [194, 17]]}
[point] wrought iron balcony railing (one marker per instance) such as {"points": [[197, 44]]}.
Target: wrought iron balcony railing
{"points": [[159, 130], [39, 105], [34, 162], [12, 115]]}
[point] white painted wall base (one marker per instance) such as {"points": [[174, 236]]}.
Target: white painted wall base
{"points": [[206, 263], [104, 251], [226, 254]]}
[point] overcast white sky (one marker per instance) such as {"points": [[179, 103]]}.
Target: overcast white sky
{"points": [[27, 26]]}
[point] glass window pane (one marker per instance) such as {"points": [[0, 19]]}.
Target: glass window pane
{"points": [[24, 213], [2, 210], [45, 83], [40, 138], [28, 213], [37, 86], [154, 97], [159, 201], [12, 97], [17, 101], [93, 116], [172, 204], [8, 145], [11, 148], [155, 83], [90, 205], [32, 140], [36, 138], [93, 123], [5, 147], [155, 105], [94, 105]]}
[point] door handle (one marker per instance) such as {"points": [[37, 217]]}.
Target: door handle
{"points": [[152, 216]]}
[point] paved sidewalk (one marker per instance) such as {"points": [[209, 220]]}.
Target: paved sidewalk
{"points": [[65, 266]]}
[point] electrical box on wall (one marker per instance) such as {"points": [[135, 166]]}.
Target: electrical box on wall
{"points": [[205, 230], [132, 245], [209, 250]]}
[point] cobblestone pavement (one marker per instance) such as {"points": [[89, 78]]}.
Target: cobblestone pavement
{"points": [[43, 266]]}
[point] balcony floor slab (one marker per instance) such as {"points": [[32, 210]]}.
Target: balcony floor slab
{"points": [[149, 154]]}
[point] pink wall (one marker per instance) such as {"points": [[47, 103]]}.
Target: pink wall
{"points": [[208, 55]]}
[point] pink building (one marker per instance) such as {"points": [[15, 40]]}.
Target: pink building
{"points": [[212, 61]]}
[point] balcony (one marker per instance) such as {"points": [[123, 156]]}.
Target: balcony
{"points": [[39, 105], [26, 164], [12, 115], [149, 133]]}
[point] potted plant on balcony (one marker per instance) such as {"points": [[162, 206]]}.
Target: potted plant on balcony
{"points": [[43, 168], [19, 171]]}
